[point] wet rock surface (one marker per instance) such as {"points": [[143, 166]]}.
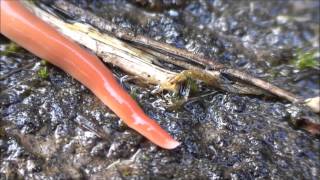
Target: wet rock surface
{"points": [[55, 128]]}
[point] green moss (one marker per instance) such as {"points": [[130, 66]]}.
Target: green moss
{"points": [[33, 1], [134, 93], [43, 62], [306, 60], [192, 84], [10, 48], [126, 172], [176, 101], [43, 72]]}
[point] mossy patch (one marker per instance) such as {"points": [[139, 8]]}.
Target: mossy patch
{"points": [[43, 72], [192, 85], [304, 60], [10, 49], [33, 1], [134, 94]]}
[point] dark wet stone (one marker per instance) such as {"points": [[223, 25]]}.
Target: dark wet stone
{"points": [[55, 128]]}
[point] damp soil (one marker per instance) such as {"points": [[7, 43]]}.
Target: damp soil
{"points": [[52, 127]]}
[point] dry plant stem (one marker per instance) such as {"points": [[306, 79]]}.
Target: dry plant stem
{"points": [[215, 66], [162, 48], [314, 103], [210, 77], [129, 36], [263, 85], [112, 50], [171, 60], [166, 48], [81, 65], [128, 58]]}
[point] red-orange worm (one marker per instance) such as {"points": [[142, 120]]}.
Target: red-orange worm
{"points": [[30, 32]]}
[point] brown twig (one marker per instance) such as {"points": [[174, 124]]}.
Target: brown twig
{"points": [[120, 33], [166, 49], [162, 48], [172, 60], [263, 85]]}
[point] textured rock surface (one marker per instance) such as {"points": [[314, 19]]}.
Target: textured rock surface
{"points": [[55, 128]]}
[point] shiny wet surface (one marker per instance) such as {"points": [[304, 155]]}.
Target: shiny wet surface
{"points": [[55, 128]]}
